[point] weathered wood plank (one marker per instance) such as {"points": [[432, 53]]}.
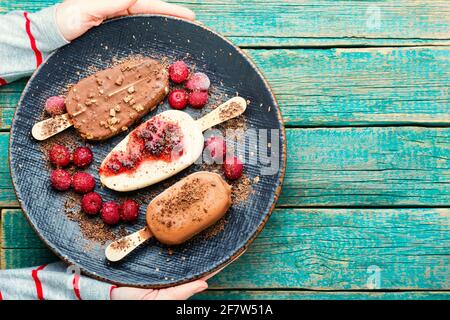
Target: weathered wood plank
{"points": [[359, 86], [319, 295], [343, 87], [313, 22], [405, 166], [327, 249], [24, 258], [7, 195], [16, 232]]}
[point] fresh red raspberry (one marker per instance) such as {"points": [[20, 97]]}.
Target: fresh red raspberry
{"points": [[178, 72], [129, 210], [55, 106], [198, 82], [91, 203], [215, 148], [83, 182], [178, 99], [233, 168], [60, 179], [82, 157], [59, 155], [197, 99], [110, 213]]}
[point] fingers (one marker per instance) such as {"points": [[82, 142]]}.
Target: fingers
{"points": [[182, 292], [107, 8], [161, 7], [127, 293]]}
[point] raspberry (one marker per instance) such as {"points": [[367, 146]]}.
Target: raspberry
{"points": [[178, 72], [178, 99], [197, 99], [82, 157], [129, 210], [198, 82], [55, 106], [233, 168], [60, 180], [83, 182], [216, 148], [59, 155], [91, 203], [110, 213]]}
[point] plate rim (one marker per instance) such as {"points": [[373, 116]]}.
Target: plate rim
{"points": [[67, 260]]}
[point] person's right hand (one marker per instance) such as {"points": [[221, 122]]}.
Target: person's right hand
{"points": [[75, 17]]}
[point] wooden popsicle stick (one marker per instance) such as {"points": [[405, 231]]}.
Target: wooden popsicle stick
{"points": [[226, 111], [119, 249], [49, 127]]}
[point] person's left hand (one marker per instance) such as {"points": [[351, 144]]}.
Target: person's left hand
{"points": [[75, 17], [181, 292]]}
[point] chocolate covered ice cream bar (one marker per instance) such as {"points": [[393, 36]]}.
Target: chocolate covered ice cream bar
{"points": [[110, 101]]}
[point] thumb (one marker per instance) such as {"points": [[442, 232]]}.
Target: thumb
{"points": [[182, 292]]}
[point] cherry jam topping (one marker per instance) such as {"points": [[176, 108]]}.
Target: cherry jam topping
{"points": [[156, 139]]}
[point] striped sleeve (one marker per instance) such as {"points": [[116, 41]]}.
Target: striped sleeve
{"points": [[55, 281], [26, 39]]}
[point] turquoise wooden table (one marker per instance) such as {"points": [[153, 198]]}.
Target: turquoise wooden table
{"points": [[365, 208]]}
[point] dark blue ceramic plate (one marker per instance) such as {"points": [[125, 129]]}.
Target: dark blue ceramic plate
{"points": [[230, 71]]}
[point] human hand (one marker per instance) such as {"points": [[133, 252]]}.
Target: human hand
{"points": [[181, 292], [75, 17]]}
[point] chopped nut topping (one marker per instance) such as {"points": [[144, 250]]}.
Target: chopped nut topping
{"points": [[117, 108], [89, 102], [119, 80], [101, 91], [112, 112], [103, 123], [99, 81], [138, 108], [132, 101], [128, 98], [124, 128], [113, 129], [131, 89]]}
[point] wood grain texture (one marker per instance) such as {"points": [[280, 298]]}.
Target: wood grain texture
{"points": [[326, 249], [7, 195], [342, 87], [359, 86], [24, 258], [319, 295], [16, 232], [406, 166], [313, 22]]}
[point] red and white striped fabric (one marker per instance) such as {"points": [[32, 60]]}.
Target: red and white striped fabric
{"points": [[26, 39], [54, 281]]}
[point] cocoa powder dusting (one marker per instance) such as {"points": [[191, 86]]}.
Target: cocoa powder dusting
{"points": [[241, 189], [233, 109], [93, 229], [215, 229], [188, 195], [122, 244]]}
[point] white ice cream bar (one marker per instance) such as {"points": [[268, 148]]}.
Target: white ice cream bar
{"points": [[154, 170]]}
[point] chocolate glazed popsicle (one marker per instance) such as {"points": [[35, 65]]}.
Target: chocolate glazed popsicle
{"points": [[179, 213], [110, 101]]}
